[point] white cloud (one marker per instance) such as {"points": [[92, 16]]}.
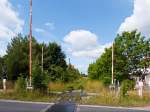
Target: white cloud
{"points": [[140, 19], [10, 24], [83, 47], [83, 43], [3, 46], [39, 30], [81, 39], [50, 25], [91, 53]]}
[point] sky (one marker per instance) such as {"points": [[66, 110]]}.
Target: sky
{"points": [[84, 28]]}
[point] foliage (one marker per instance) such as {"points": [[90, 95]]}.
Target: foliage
{"points": [[54, 64], [56, 73], [102, 67], [20, 85], [72, 74], [17, 56], [93, 71], [106, 81], [39, 79], [126, 86], [53, 56], [130, 49]]}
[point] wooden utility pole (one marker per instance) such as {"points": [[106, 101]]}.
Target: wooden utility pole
{"points": [[30, 45], [112, 64]]}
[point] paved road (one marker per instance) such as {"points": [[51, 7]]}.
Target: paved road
{"points": [[11, 106], [108, 109]]}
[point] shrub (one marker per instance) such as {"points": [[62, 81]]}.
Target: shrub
{"points": [[106, 81], [126, 86], [20, 85], [39, 80], [72, 74]]}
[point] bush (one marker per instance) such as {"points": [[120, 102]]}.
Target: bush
{"points": [[39, 80], [106, 81], [126, 85], [20, 85], [72, 74]]}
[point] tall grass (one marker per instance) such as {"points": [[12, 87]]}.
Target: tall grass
{"points": [[57, 86], [104, 97], [107, 97], [93, 86]]}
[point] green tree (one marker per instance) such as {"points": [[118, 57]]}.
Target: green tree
{"points": [[101, 69], [130, 49], [56, 56], [54, 61], [39, 79], [17, 56], [72, 74], [56, 73]]}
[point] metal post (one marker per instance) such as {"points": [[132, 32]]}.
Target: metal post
{"points": [[30, 45]]}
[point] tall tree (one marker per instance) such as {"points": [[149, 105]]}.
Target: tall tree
{"points": [[130, 49], [17, 56], [56, 56], [54, 61]]}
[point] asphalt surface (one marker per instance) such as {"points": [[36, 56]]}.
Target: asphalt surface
{"points": [[12, 106]]}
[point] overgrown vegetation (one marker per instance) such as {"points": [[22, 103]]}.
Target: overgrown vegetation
{"points": [[104, 95], [126, 86], [20, 86], [130, 49]]}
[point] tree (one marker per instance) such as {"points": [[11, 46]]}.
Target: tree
{"points": [[130, 49], [58, 73], [101, 69], [17, 56], [39, 79], [54, 63], [56, 56], [72, 74]]}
